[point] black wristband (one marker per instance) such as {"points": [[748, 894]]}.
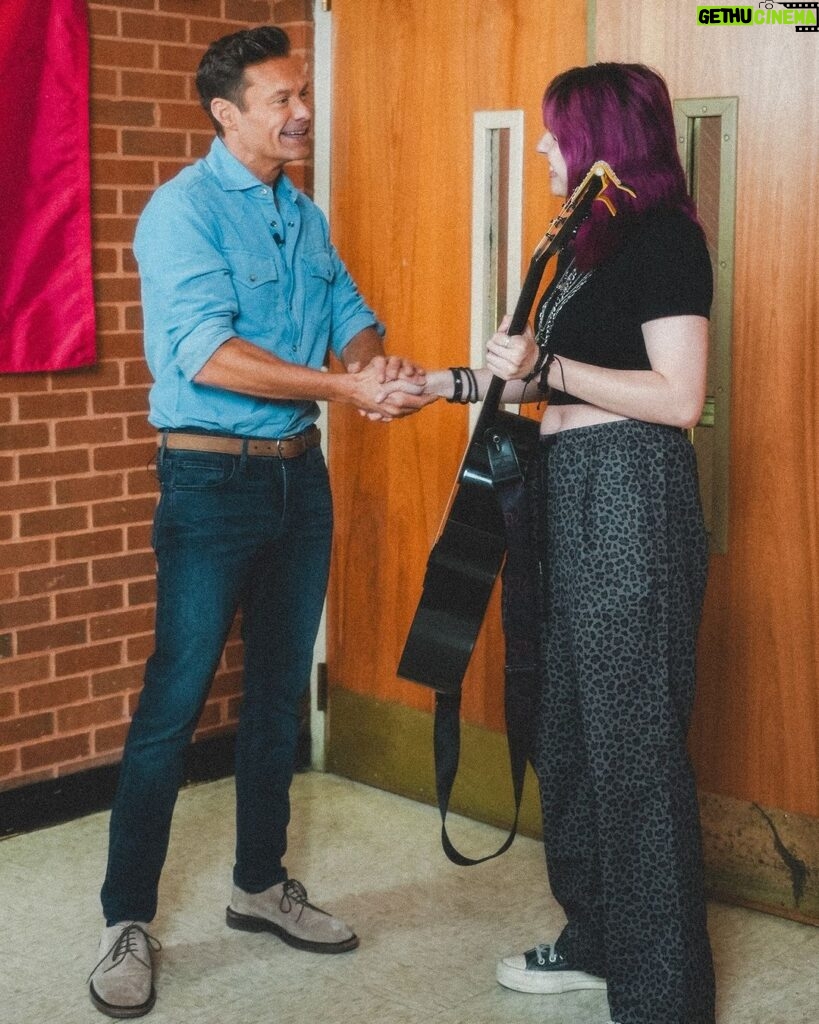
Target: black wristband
{"points": [[457, 384]]}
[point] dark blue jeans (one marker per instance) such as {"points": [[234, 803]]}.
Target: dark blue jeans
{"points": [[230, 532]]}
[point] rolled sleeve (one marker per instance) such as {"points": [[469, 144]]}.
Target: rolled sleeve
{"points": [[187, 292]]}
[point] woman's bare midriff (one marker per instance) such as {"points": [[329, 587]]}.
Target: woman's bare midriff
{"points": [[570, 417]]}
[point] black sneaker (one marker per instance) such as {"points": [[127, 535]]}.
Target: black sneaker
{"points": [[544, 971]]}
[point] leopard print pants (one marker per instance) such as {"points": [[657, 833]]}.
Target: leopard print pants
{"points": [[624, 558]]}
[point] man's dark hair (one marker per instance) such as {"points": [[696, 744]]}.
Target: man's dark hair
{"points": [[221, 71]]}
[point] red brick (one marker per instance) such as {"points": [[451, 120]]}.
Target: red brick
{"points": [[152, 26], [121, 399], [153, 85], [138, 428], [5, 410], [52, 637], [53, 521], [111, 737], [23, 670], [6, 527], [138, 620], [182, 115], [141, 592], [186, 58], [25, 613], [69, 748], [117, 53], [82, 659], [118, 289], [122, 112], [8, 586], [118, 680], [104, 200], [114, 229], [18, 383], [33, 552], [102, 22], [142, 481], [53, 694], [104, 140], [125, 567], [108, 171], [125, 345], [55, 577], [253, 11], [203, 9], [15, 437], [8, 705], [138, 538], [111, 513], [138, 648], [90, 488], [80, 716], [104, 374], [93, 599], [105, 261], [103, 81], [25, 728], [54, 464], [16, 496], [124, 456], [8, 763], [54, 405], [153, 143], [89, 431], [134, 202], [82, 545]]}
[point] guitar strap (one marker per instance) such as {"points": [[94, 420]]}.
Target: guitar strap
{"points": [[520, 603]]}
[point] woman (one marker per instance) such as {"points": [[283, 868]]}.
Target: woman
{"points": [[619, 345]]}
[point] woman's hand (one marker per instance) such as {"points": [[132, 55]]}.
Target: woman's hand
{"points": [[511, 356]]}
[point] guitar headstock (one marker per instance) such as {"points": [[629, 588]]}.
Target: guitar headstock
{"points": [[599, 178]]}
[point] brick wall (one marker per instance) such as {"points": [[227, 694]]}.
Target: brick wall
{"points": [[76, 491]]}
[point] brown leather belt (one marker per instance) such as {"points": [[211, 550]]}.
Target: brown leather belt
{"points": [[276, 448]]}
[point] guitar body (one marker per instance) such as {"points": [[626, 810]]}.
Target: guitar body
{"points": [[465, 561]]}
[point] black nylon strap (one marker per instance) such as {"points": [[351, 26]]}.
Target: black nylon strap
{"points": [[521, 600]]}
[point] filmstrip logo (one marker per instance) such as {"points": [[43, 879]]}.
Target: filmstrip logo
{"points": [[803, 16]]}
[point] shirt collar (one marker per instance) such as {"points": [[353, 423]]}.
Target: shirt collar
{"points": [[234, 176]]}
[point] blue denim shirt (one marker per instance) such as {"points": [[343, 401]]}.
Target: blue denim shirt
{"points": [[223, 255]]}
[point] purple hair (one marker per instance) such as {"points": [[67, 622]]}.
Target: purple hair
{"points": [[620, 113]]}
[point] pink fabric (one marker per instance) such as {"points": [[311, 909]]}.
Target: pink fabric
{"points": [[46, 290]]}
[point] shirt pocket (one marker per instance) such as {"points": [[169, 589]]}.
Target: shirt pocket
{"points": [[252, 270], [317, 314]]}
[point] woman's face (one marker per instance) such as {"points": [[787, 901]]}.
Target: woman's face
{"points": [[558, 175]]}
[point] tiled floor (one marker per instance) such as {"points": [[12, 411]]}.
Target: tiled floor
{"points": [[430, 932]]}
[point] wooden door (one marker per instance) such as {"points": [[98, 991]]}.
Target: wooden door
{"points": [[755, 738], [408, 78]]}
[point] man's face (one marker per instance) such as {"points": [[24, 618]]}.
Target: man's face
{"points": [[272, 126]]}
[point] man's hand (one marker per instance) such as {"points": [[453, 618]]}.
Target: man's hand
{"points": [[389, 387]]}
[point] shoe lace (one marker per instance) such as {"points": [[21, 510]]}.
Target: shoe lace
{"points": [[125, 945], [294, 894], [542, 949]]}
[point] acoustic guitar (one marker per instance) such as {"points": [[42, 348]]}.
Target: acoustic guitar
{"points": [[469, 552]]}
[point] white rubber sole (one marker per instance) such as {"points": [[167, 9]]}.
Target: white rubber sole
{"points": [[546, 982]]}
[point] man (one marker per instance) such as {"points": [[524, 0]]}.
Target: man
{"points": [[243, 297]]}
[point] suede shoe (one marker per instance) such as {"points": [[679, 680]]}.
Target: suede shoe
{"points": [[543, 970], [122, 983], [284, 910]]}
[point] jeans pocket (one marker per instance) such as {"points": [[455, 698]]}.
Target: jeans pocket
{"points": [[194, 472]]}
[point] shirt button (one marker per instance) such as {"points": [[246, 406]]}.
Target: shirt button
{"points": [[252, 277]]}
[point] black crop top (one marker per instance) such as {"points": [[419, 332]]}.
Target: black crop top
{"points": [[662, 269]]}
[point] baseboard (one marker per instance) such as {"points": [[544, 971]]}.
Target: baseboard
{"points": [[757, 857], [43, 804]]}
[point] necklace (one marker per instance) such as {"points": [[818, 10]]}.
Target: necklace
{"points": [[569, 284]]}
